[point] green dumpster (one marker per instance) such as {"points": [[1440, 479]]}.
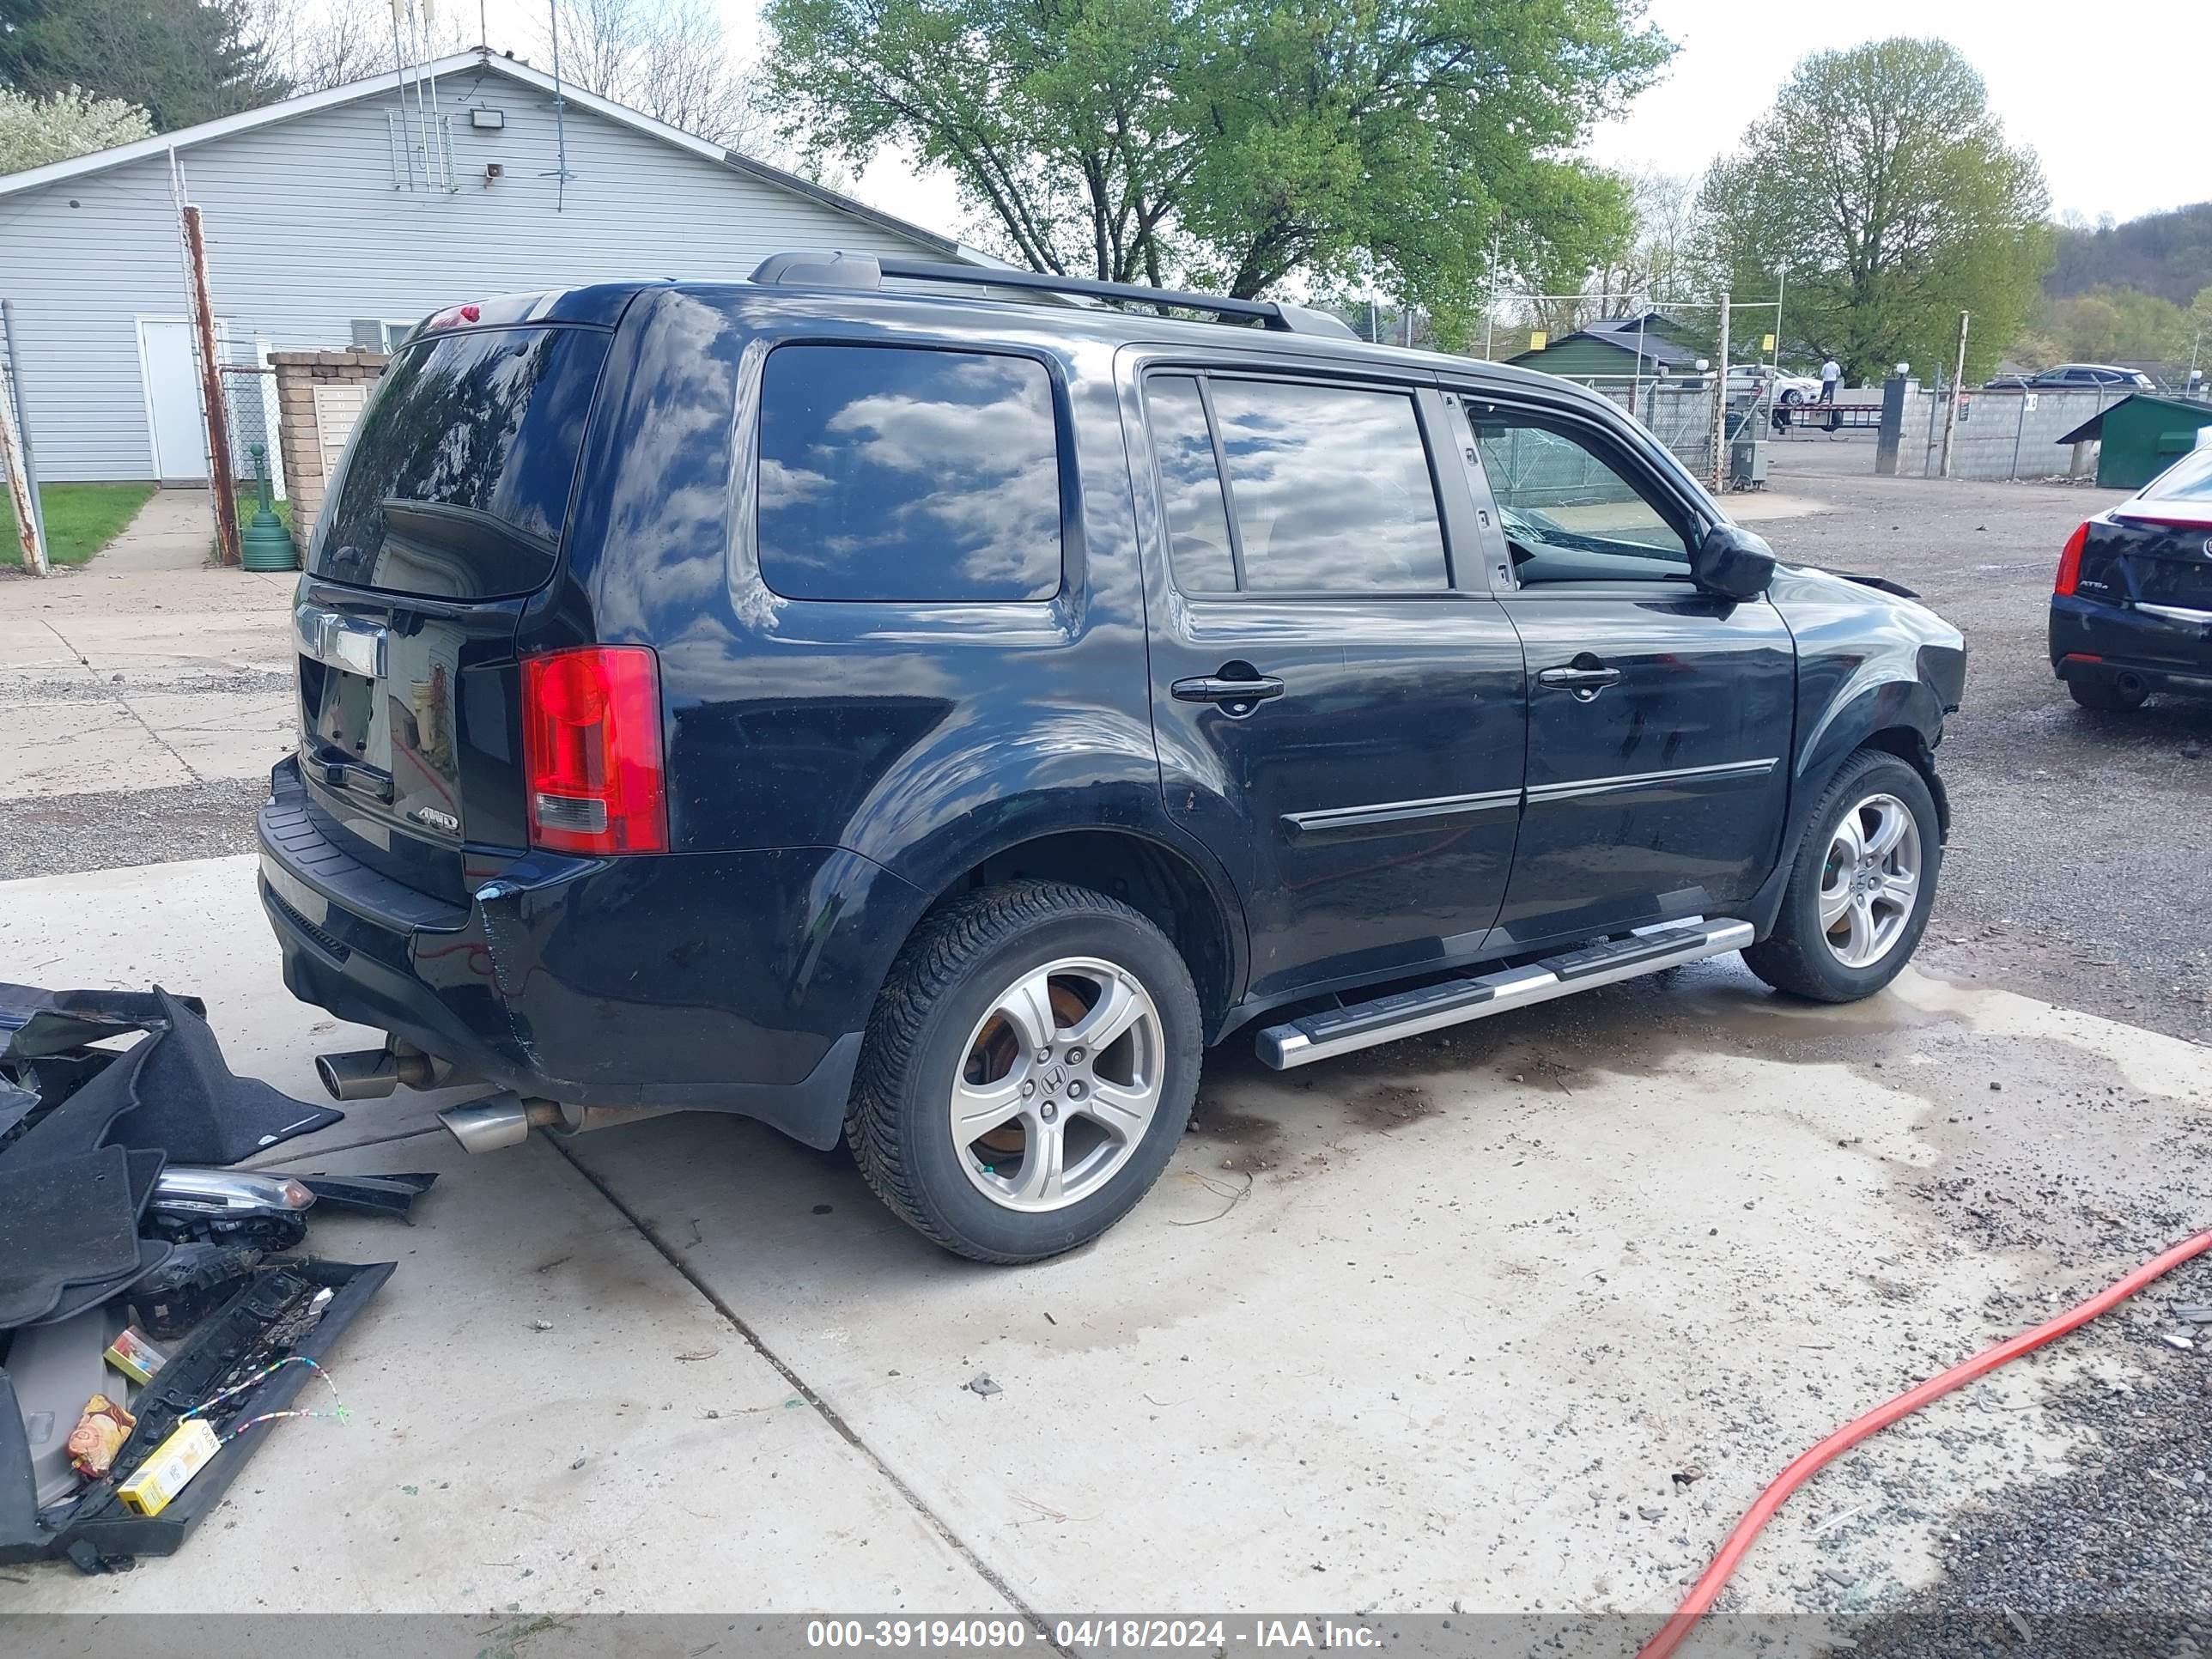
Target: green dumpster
{"points": [[2143, 436]]}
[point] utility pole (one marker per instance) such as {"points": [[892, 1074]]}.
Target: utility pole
{"points": [[222, 477], [1490, 310], [1720, 402], [12, 370], [1958, 383], [27, 530]]}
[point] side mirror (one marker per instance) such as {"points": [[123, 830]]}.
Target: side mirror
{"points": [[1730, 561]]}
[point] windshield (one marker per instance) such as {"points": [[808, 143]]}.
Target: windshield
{"points": [[456, 483]]}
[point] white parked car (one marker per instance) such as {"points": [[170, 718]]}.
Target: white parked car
{"points": [[1743, 378]]}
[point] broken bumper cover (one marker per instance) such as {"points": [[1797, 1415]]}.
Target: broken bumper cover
{"points": [[589, 982]]}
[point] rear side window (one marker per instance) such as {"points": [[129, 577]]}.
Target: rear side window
{"points": [[1328, 488], [457, 484], [897, 473], [2187, 480]]}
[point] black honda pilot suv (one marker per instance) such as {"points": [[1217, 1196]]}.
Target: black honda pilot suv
{"points": [[899, 704]]}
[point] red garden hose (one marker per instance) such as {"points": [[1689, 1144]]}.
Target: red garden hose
{"points": [[1702, 1594]]}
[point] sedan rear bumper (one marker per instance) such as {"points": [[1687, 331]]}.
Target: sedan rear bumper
{"points": [[2168, 650]]}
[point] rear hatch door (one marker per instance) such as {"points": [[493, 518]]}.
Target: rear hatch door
{"points": [[446, 515]]}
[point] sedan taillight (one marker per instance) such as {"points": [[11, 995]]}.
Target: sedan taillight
{"points": [[2069, 561], [592, 750]]}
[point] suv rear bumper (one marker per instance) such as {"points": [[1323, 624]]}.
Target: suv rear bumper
{"points": [[528, 986], [2167, 654]]}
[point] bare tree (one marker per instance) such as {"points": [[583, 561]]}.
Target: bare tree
{"points": [[332, 44], [666, 58]]}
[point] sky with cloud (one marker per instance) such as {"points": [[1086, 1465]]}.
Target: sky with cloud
{"points": [[2110, 97]]}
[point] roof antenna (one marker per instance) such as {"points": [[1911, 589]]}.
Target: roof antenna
{"points": [[561, 173]]}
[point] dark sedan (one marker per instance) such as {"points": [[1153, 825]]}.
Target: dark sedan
{"points": [[2132, 610]]}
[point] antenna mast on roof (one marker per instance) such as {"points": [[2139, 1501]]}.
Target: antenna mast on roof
{"points": [[561, 174]]}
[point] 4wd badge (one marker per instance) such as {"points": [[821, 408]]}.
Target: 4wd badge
{"points": [[436, 820]]}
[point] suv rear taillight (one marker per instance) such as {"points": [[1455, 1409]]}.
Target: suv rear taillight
{"points": [[591, 746], [2069, 561]]}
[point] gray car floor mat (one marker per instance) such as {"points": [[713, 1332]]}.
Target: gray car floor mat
{"points": [[64, 1221]]}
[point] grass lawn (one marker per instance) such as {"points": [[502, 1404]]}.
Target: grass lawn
{"points": [[81, 519]]}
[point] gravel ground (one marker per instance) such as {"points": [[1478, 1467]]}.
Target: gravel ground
{"points": [[63, 834], [2075, 871], [2026, 1573]]}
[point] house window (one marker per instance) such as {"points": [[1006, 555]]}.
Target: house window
{"points": [[381, 334]]}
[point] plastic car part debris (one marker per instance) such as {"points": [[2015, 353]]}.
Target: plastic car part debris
{"points": [[339, 1413], [189, 1449], [193, 1205], [15, 1104], [190, 1186], [77, 1299], [99, 1434], [386, 1194], [52, 1369], [38, 1022], [190, 1285], [133, 1355], [299, 1307]]}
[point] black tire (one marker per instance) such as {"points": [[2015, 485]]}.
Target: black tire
{"points": [[1793, 396], [1795, 957], [2103, 692], [944, 982]]}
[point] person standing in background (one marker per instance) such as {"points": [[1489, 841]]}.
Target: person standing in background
{"points": [[1831, 375]]}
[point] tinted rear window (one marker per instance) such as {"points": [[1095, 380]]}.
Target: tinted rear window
{"points": [[458, 482], [895, 473]]}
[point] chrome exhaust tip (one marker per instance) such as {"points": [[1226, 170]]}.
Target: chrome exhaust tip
{"points": [[506, 1119], [497, 1121], [363, 1074]]}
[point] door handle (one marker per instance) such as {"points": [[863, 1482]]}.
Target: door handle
{"points": [[1228, 692], [1584, 683], [348, 775]]}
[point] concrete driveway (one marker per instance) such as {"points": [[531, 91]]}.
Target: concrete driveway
{"points": [[1516, 1319]]}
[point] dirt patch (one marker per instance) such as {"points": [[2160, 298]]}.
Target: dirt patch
{"points": [[1254, 1142], [1390, 1106]]}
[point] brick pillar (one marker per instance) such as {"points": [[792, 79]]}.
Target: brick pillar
{"points": [[299, 435]]}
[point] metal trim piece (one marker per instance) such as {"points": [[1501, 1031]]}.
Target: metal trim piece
{"points": [[1285, 1046], [338, 640], [1577, 787], [1399, 812], [2180, 613]]}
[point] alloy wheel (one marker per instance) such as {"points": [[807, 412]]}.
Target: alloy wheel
{"points": [[1870, 880], [1058, 1083]]}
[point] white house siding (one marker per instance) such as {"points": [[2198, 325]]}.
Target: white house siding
{"points": [[306, 234]]}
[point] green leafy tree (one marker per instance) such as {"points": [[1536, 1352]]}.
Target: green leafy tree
{"points": [[181, 61], [1236, 143], [34, 131], [2112, 325], [1882, 187]]}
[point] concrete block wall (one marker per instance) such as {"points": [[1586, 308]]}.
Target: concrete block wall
{"points": [[299, 438], [1997, 436]]}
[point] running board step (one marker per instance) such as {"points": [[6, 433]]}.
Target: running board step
{"points": [[1336, 1031]]}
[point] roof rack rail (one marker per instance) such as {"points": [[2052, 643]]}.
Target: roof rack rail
{"points": [[837, 269]]}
